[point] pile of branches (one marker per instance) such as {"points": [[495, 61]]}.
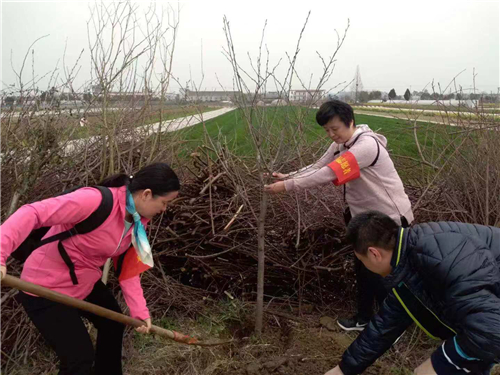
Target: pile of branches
{"points": [[208, 238]]}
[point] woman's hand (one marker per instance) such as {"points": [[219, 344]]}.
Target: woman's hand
{"points": [[277, 175], [3, 269], [277, 187], [280, 176], [145, 328]]}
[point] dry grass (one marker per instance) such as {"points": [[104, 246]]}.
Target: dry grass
{"points": [[298, 346]]}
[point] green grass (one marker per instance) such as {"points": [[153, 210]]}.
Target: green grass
{"points": [[400, 134], [232, 128], [452, 113], [489, 107], [170, 114]]}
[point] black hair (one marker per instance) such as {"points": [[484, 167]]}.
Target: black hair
{"points": [[332, 108], [372, 228], [158, 177]]}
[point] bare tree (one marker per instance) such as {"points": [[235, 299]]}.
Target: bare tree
{"points": [[271, 148]]}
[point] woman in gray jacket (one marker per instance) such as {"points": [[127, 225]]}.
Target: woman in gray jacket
{"points": [[358, 160]]}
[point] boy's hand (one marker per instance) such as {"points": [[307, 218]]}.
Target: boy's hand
{"points": [[277, 187], [335, 371], [425, 368]]}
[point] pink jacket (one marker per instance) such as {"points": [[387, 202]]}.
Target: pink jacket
{"points": [[88, 252], [368, 187]]}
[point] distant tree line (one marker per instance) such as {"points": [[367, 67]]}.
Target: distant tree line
{"points": [[365, 96]]}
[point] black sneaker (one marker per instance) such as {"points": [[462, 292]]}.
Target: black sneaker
{"points": [[352, 324]]}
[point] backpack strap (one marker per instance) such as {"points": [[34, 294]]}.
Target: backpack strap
{"points": [[69, 263], [100, 215], [374, 161], [353, 142], [378, 151], [91, 223], [376, 141]]}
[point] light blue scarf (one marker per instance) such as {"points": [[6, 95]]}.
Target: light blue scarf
{"points": [[139, 236]]}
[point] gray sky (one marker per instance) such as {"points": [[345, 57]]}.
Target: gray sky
{"points": [[397, 44]]}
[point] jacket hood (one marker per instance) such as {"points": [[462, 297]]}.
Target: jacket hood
{"points": [[363, 128]]}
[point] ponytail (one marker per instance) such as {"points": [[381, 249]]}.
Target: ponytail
{"points": [[116, 180], [158, 177]]}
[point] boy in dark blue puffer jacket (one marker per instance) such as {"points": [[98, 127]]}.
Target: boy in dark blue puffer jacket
{"points": [[443, 276]]}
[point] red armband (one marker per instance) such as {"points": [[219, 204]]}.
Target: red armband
{"points": [[345, 167]]}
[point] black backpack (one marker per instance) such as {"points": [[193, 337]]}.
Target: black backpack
{"points": [[34, 240]]}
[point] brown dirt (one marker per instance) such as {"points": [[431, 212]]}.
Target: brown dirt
{"points": [[301, 346]]}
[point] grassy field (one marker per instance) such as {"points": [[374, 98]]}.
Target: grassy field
{"points": [[232, 127], [451, 113], [489, 107]]}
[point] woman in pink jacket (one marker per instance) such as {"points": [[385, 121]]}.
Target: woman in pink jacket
{"points": [[136, 200]]}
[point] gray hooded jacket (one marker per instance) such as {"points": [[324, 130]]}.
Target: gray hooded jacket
{"points": [[377, 186]]}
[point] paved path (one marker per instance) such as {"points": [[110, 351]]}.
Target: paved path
{"points": [[184, 122], [495, 127], [145, 130], [394, 117]]}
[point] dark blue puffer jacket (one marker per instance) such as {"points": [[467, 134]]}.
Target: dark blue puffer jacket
{"points": [[452, 270]]}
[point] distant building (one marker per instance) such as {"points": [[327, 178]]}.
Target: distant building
{"points": [[211, 96], [171, 96], [306, 95], [271, 95], [168, 96], [97, 90]]}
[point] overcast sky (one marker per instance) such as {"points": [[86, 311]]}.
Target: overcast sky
{"points": [[396, 44]]}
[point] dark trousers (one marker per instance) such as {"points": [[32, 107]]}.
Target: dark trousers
{"points": [[63, 328], [370, 288], [442, 366]]}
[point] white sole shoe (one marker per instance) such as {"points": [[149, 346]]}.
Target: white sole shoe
{"points": [[359, 327], [396, 341]]}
